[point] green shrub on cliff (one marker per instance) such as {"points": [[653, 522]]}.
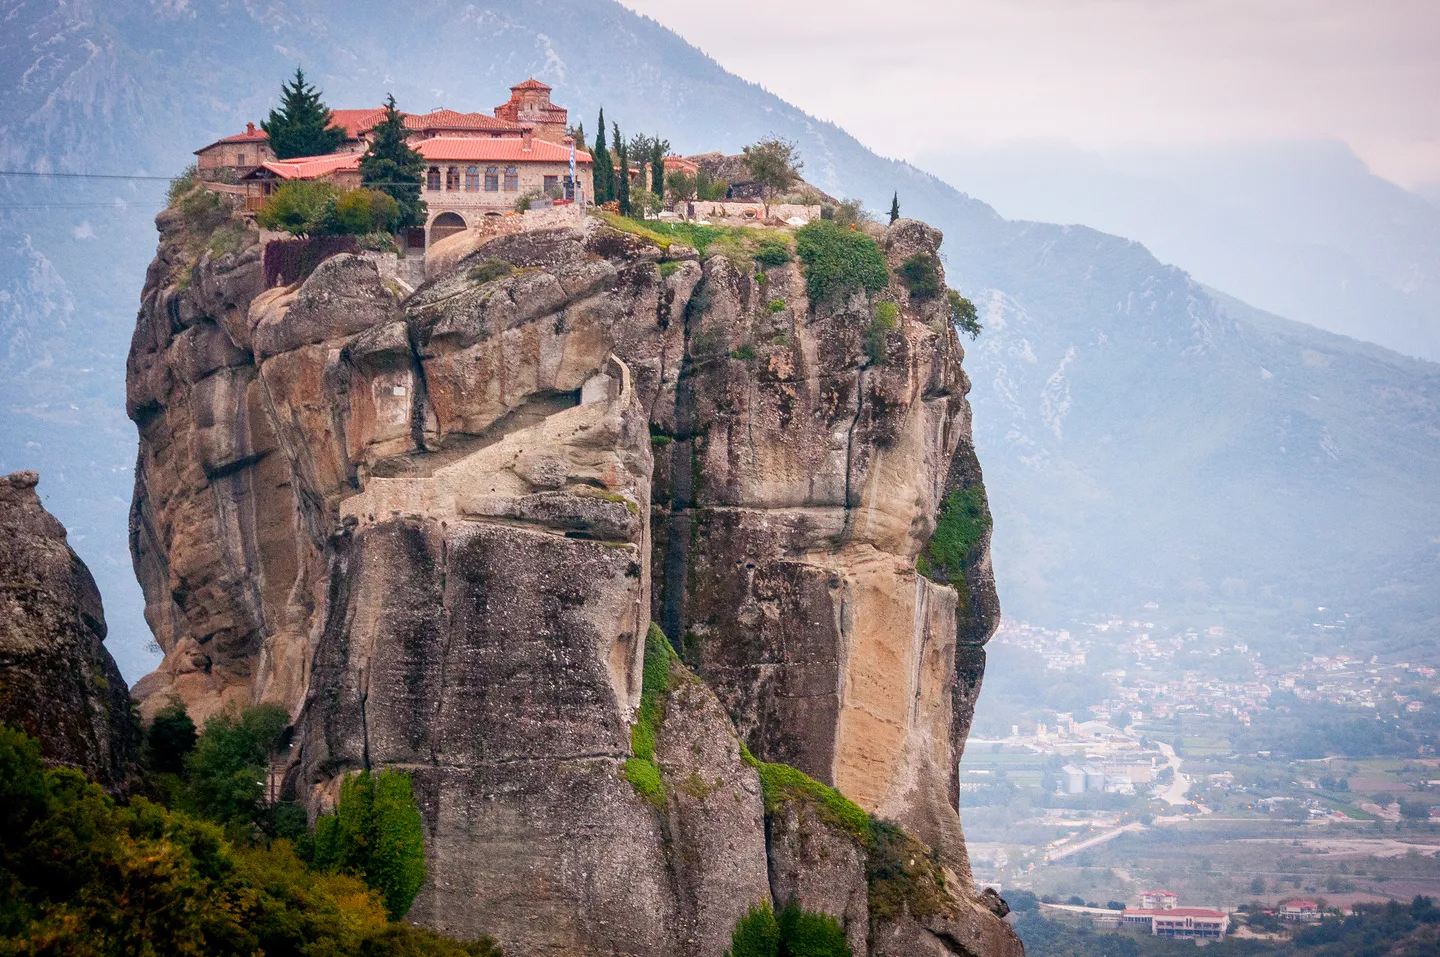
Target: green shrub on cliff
{"points": [[963, 314], [642, 771], [781, 784], [963, 519], [794, 932], [226, 771], [376, 834], [82, 875], [921, 273], [839, 262]]}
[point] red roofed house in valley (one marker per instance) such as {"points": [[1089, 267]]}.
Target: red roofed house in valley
{"points": [[1158, 900], [1191, 923], [1300, 910], [479, 165]]}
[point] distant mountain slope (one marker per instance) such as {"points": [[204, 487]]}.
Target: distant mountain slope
{"points": [[1301, 229], [1146, 466]]}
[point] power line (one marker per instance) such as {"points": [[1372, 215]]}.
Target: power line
{"points": [[29, 172]]}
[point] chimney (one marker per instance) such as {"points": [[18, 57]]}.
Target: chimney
{"points": [[249, 127], [527, 137]]}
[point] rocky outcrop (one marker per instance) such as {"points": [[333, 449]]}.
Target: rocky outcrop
{"points": [[436, 527], [58, 683]]}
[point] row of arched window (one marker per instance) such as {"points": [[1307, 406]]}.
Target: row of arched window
{"points": [[472, 178]]}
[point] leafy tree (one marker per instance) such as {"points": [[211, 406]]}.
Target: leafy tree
{"points": [[622, 171], [604, 169], [171, 737], [300, 125], [359, 211], [228, 768], [775, 165], [392, 167], [376, 833], [1257, 886], [963, 314], [297, 207], [895, 207], [82, 875], [577, 133]]}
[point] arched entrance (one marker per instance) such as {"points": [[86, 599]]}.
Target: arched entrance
{"points": [[446, 224]]}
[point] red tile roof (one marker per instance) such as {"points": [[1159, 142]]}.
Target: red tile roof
{"points": [[355, 122], [530, 84], [490, 149], [454, 120], [1188, 912], [251, 135], [309, 167]]}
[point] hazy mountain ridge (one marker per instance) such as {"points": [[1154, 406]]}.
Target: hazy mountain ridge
{"points": [[1302, 229], [1126, 353]]}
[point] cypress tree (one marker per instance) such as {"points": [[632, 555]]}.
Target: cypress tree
{"points": [[658, 149], [895, 207], [392, 167], [300, 125], [604, 172], [622, 163]]}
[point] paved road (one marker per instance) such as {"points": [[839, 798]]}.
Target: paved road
{"points": [[1090, 842], [1175, 793]]}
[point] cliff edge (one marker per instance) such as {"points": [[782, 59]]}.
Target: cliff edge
{"points": [[58, 682], [436, 527]]}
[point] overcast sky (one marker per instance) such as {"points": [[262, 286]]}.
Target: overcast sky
{"points": [[920, 76]]}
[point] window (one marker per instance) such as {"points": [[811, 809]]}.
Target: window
{"points": [[569, 188], [452, 178], [551, 184], [432, 178], [239, 159], [472, 179], [492, 179], [512, 178]]}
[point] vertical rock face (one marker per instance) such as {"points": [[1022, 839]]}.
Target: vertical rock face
{"points": [[58, 684], [436, 527]]}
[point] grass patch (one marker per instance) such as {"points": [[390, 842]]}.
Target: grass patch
{"points": [[839, 262], [745, 353], [902, 875], [669, 269], [490, 270], [782, 784], [777, 305], [963, 519], [773, 251], [641, 770]]}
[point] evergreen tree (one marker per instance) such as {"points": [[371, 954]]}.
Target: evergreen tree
{"points": [[895, 207], [775, 165], [392, 167], [604, 172], [658, 150], [622, 171], [300, 125]]}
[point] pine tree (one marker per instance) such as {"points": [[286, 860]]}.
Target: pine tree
{"points": [[895, 207], [604, 172], [300, 126], [392, 167], [622, 164]]}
